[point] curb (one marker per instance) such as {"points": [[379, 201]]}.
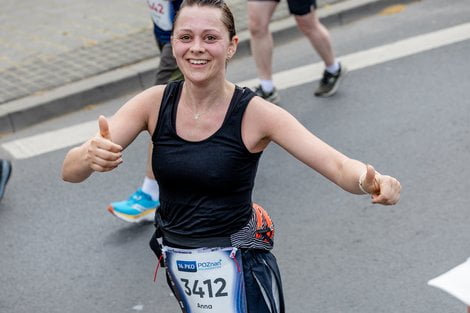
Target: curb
{"points": [[22, 113]]}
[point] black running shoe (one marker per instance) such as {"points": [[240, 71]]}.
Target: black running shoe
{"points": [[272, 96], [330, 82], [5, 171]]}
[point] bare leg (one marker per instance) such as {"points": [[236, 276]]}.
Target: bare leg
{"points": [[150, 185], [149, 171], [318, 35], [261, 41]]}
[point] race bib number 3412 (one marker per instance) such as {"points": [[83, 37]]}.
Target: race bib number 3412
{"points": [[208, 280]]}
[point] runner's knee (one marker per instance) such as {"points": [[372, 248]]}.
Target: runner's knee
{"points": [[258, 27], [307, 23]]}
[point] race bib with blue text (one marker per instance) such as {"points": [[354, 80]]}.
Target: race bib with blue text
{"points": [[208, 280]]}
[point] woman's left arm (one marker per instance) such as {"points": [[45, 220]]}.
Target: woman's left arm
{"points": [[351, 175]]}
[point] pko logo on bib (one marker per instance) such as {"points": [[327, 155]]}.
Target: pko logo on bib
{"points": [[186, 266]]}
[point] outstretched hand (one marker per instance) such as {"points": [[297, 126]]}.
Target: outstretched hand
{"points": [[383, 189], [102, 154]]}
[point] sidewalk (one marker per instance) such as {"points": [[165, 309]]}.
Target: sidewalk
{"points": [[59, 56]]}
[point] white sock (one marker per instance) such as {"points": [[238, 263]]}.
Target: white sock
{"points": [[150, 186], [266, 85], [333, 69]]}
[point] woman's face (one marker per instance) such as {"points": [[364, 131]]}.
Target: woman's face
{"points": [[201, 43]]}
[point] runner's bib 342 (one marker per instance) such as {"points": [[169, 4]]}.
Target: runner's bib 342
{"points": [[162, 13], [207, 279]]}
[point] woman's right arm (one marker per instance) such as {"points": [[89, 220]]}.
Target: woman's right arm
{"points": [[103, 152], [96, 154]]}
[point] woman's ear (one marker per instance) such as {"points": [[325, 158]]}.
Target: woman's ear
{"points": [[232, 48], [234, 42]]}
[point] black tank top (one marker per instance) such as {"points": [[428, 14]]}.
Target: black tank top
{"points": [[205, 186]]}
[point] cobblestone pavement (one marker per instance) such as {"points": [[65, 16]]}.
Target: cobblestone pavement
{"points": [[49, 43]]}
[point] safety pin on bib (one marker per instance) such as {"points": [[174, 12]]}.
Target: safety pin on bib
{"points": [[233, 257]]}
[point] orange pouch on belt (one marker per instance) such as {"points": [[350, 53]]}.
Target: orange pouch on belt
{"points": [[258, 233], [264, 225]]}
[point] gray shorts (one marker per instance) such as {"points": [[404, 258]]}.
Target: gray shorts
{"points": [[167, 69]]}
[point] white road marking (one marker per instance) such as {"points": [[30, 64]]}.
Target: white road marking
{"points": [[70, 136], [32, 146]]}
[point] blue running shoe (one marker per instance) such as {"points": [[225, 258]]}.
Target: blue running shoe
{"points": [[138, 208]]}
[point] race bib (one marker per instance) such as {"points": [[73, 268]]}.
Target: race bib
{"points": [[207, 280], [162, 13]]}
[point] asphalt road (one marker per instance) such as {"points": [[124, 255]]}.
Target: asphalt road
{"points": [[61, 251]]}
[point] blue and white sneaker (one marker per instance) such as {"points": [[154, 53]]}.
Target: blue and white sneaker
{"points": [[138, 208]]}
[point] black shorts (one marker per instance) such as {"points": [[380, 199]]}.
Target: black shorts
{"points": [[298, 7], [262, 281]]}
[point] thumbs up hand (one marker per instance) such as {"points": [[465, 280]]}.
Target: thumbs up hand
{"points": [[103, 155], [383, 189], [104, 127]]}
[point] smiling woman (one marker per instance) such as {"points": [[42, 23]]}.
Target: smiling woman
{"points": [[203, 44], [208, 136]]}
